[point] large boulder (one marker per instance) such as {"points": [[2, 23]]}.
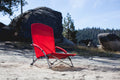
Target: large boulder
{"points": [[2, 25], [22, 23], [6, 33], [109, 41]]}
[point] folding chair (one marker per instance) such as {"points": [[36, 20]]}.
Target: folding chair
{"points": [[44, 45]]}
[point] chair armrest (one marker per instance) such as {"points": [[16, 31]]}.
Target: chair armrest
{"points": [[57, 47], [39, 48], [35, 45]]}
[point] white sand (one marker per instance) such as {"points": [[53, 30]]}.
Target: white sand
{"points": [[15, 65]]}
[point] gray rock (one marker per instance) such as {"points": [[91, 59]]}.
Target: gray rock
{"points": [[22, 23], [66, 42], [109, 41], [2, 25], [6, 33]]}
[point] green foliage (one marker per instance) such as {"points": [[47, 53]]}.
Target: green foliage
{"points": [[68, 28], [9, 6], [91, 33]]}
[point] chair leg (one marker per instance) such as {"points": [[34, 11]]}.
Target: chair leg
{"points": [[71, 62], [54, 62], [34, 61], [49, 63], [33, 58], [65, 62]]}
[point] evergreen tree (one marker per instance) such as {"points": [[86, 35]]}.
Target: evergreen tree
{"points": [[92, 33], [69, 28]]}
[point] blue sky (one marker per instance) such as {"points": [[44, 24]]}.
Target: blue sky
{"points": [[85, 13]]}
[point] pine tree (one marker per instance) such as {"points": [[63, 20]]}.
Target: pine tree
{"points": [[69, 28]]}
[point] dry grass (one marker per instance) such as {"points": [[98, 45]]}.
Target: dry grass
{"points": [[88, 52]]}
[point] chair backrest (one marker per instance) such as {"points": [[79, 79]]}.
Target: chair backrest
{"points": [[43, 36]]}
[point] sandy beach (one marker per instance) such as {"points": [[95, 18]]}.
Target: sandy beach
{"points": [[15, 65]]}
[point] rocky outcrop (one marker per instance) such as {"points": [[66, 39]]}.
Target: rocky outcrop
{"points": [[66, 42], [109, 41], [6, 33], [22, 23], [2, 25]]}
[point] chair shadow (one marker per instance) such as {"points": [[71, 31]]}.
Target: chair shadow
{"points": [[62, 68]]}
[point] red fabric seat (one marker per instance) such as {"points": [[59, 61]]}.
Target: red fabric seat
{"points": [[61, 55]]}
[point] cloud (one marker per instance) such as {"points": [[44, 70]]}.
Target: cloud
{"points": [[104, 20], [78, 3], [96, 3], [5, 19]]}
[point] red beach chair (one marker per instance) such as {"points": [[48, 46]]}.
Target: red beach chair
{"points": [[44, 45]]}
